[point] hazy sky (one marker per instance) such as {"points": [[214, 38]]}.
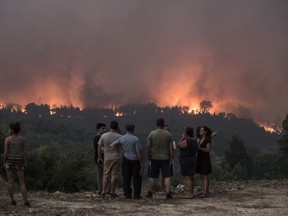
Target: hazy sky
{"points": [[94, 53]]}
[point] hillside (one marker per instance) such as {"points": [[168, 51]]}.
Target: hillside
{"points": [[41, 124], [238, 198]]}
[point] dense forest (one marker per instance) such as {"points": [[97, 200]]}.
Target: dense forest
{"points": [[60, 142]]}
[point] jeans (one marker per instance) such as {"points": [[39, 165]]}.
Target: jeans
{"points": [[131, 170]]}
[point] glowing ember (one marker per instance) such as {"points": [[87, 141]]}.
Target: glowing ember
{"points": [[52, 112], [119, 114]]}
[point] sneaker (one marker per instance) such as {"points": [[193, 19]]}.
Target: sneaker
{"points": [[103, 195], [169, 196], [27, 204], [137, 197], [13, 202], [149, 194], [99, 193]]}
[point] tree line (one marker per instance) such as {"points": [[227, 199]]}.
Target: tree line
{"points": [[60, 155]]}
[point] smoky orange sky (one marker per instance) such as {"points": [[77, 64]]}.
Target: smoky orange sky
{"points": [[92, 53]]}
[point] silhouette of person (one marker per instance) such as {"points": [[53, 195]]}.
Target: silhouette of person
{"points": [[15, 160]]}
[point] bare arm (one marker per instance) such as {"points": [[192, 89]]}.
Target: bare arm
{"points": [[171, 151], [6, 149], [149, 146], [213, 134], [182, 142], [207, 149], [24, 152], [117, 149], [140, 158], [99, 153]]}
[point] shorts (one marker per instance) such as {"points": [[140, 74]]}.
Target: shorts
{"points": [[14, 167], [157, 165], [15, 163], [112, 167]]}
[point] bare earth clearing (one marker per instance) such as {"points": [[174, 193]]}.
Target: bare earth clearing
{"points": [[241, 198]]}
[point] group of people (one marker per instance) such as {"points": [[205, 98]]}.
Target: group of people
{"points": [[117, 155], [115, 152]]}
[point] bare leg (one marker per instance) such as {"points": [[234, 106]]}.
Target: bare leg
{"points": [[104, 184], [203, 185], [167, 184], [190, 185], [151, 184], [113, 184], [21, 179], [206, 184], [10, 183], [161, 181]]}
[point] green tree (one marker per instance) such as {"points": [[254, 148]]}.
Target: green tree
{"points": [[205, 106], [63, 167], [239, 162], [3, 134], [266, 166], [283, 149]]}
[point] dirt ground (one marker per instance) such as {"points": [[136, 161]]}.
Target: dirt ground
{"points": [[241, 198]]}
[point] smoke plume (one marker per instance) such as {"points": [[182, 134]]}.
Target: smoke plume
{"points": [[94, 53]]}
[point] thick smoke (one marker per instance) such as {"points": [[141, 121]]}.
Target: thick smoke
{"points": [[100, 53]]}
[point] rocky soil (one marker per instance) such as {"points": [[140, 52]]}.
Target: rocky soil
{"points": [[240, 198]]}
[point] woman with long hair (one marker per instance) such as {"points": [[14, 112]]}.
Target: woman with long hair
{"points": [[15, 160], [204, 167]]}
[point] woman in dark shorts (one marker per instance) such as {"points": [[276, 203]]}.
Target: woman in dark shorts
{"points": [[14, 160], [204, 163], [187, 159]]}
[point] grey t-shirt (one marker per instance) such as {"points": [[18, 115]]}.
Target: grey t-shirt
{"points": [[106, 140]]}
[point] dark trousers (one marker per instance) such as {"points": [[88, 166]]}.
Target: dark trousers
{"points": [[131, 169]]}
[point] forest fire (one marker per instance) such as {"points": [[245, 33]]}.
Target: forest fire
{"points": [[52, 112], [271, 128], [118, 114], [43, 110]]}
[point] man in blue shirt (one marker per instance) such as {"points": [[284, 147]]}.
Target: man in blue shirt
{"points": [[132, 166]]}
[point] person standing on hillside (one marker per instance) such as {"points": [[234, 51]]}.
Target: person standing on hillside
{"points": [[161, 179], [100, 127], [160, 155], [133, 166], [187, 159], [112, 159], [204, 167], [15, 160]]}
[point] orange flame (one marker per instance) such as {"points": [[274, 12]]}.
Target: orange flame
{"points": [[271, 128], [118, 114]]}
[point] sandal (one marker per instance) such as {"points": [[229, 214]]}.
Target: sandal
{"points": [[13, 202], [190, 197], [203, 195], [27, 204]]}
